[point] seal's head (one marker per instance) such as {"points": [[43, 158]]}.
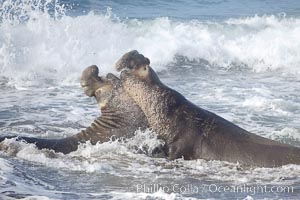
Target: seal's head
{"points": [[99, 87], [142, 75], [136, 70], [131, 60], [90, 81]]}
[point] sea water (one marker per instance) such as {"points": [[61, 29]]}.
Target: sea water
{"points": [[239, 59]]}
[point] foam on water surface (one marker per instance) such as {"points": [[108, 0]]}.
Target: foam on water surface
{"points": [[245, 69], [65, 44], [119, 165]]}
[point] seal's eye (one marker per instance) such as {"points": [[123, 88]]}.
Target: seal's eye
{"points": [[142, 72]]}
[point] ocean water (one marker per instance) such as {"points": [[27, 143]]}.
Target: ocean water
{"points": [[237, 58]]}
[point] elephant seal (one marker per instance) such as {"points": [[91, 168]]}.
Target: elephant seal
{"points": [[194, 133], [121, 116]]}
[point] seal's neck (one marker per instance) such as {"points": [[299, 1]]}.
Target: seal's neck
{"points": [[154, 100]]}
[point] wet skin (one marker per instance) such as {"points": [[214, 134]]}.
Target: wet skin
{"points": [[120, 117], [192, 132]]}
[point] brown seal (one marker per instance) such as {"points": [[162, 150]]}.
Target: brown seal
{"points": [[120, 117], [194, 133]]}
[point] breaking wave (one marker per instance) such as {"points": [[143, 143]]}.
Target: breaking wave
{"points": [[40, 41]]}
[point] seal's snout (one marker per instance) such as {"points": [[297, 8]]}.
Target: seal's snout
{"points": [[131, 60], [90, 81], [89, 73]]}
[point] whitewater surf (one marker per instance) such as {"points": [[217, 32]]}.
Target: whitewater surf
{"points": [[238, 60]]}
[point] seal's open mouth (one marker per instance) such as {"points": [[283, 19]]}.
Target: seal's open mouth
{"points": [[90, 80]]}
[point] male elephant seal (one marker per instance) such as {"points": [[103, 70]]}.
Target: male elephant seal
{"points": [[121, 116], [192, 132]]}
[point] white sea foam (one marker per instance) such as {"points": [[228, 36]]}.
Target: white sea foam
{"points": [[286, 134], [117, 158], [43, 46], [4, 166], [89, 158], [159, 195], [51, 50], [38, 198], [277, 106]]}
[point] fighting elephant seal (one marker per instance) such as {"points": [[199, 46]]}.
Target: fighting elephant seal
{"points": [[192, 132], [121, 116]]}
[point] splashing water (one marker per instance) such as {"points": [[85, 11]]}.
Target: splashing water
{"points": [[245, 68], [65, 45]]}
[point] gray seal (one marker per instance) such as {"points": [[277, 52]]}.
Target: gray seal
{"points": [[120, 115], [195, 133]]}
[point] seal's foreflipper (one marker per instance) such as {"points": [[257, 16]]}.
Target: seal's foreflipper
{"points": [[65, 146]]}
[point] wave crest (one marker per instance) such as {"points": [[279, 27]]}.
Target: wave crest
{"points": [[46, 43]]}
